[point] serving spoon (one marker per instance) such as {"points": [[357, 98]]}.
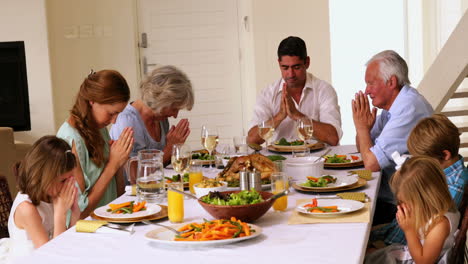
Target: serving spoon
{"points": [[184, 193]]}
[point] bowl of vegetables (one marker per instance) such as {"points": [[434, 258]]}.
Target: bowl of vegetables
{"points": [[207, 186], [245, 205]]}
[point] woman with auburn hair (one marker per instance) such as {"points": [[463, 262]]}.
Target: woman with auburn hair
{"points": [[426, 213], [164, 93], [102, 96]]}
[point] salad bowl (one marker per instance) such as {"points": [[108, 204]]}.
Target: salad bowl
{"points": [[247, 213]]}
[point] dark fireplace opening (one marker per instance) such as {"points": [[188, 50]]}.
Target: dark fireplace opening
{"points": [[14, 99]]}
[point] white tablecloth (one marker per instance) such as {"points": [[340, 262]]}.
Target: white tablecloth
{"points": [[279, 243]]}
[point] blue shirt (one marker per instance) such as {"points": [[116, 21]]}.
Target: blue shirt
{"points": [[456, 175], [130, 117], [391, 131]]}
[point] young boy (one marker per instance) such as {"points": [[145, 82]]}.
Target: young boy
{"points": [[436, 137]]}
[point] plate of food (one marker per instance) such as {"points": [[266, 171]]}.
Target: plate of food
{"points": [[284, 145], [343, 160], [329, 207], [203, 233], [203, 157], [328, 182], [127, 210], [176, 178]]}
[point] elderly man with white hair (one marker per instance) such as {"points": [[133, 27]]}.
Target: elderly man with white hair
{"points": [[377, 137]]}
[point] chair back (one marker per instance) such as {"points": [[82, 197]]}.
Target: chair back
{"points": [[5, 206], [459, 250]]}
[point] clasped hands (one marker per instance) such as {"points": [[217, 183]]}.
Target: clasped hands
{"points": [[363, 117], [288, 107]]}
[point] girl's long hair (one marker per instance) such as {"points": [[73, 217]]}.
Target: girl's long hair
{"points": [[422, 185], [48, 158], [103, 87]]}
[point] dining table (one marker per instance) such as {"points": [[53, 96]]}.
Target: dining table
{"points": [[279, 242]]}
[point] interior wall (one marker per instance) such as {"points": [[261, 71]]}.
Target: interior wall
{"points": [[274, 20], [24, 20], [89, 34]]}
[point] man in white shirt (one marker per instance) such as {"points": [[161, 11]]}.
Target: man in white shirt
{"points": [[297, 94]]}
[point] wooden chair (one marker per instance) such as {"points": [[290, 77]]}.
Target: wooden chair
{"points": [[5, 206]]}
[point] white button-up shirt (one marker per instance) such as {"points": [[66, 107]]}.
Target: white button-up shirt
{"points": [[318, 101]]}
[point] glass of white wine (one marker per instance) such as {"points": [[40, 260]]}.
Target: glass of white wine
{"points": [[209, 138], [181, 158], [265, 131], [305, 129]]}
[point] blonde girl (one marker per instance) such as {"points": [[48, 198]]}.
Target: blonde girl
{"points": [[46, 193], [426, 214]]}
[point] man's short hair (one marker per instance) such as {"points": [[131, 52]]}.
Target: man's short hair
{"points": [[432, 135], [390, 63], [292, 46]]}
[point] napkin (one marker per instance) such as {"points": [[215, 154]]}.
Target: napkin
{"points": [[357, 196], [89, 226], [130, 190], [365, 174], [360, 216]]}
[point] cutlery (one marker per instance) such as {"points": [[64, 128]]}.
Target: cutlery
{"points": [[184, 193], [325, 153], [129, 228], [278, 195], [167, 227]]}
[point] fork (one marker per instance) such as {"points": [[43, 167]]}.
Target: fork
{"points": [[129, 228], [167, 227]]}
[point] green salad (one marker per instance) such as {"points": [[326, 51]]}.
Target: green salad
{"points": [[284, 142], [240, 198], [319, 182], [236, 183], [202, 156], [176, 178], [276, 157]]}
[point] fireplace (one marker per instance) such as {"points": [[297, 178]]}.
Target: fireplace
{"points": [[14, 100]]}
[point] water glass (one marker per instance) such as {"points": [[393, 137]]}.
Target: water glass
{"points": [[175, 202], [301, 152], [279, 183], [240, 144], [150, 181]]}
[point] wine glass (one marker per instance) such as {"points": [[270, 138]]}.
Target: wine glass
{"points": [[209, 138], [305, 129], [181, 158], [265, 131]]}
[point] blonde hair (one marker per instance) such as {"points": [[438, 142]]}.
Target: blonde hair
{"points": [[48, 158], [167, 86], [422, 184], [432, 135], [103, 87]]}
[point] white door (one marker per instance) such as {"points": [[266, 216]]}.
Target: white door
{"points": [[201, 38]]}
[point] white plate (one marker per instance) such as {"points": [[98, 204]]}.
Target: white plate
{"points": [[282, 147], [344, 207], [348, 156], [151, 209], [341, 181], [164, 236]]}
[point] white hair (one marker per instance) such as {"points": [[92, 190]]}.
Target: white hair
{"points": [[167, 86], [390, 63]]}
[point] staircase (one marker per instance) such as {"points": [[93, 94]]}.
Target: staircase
{"points": [[445, 84]]}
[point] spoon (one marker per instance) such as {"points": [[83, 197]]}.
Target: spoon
{"points": [[167, 227], [278, 195], [184, 193]]}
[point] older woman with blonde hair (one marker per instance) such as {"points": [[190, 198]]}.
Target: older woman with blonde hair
{"points": [[164, 93]]}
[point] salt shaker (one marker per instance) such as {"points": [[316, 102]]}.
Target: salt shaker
{"points": [[255, 180], [244, 180]]}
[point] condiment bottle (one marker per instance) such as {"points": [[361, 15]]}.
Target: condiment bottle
{"points": [[255, 180], [244, 180]]}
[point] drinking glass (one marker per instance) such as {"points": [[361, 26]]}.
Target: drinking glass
{"points": [[279, 183], [180, 159], [209, 138], [305, 129], [300, 152], [150, 178], [265, 131], [240, 144], [195, 174], [175, 202]]}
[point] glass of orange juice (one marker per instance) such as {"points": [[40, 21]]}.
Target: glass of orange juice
{"points": [[195, 174], [175, 202], [279, 183]]}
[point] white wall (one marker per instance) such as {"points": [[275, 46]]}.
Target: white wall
{"points": [[358, 30], [25, 20]]}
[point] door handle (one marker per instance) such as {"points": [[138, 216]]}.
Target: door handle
{"points": [[144, 41], [146, 64]]}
